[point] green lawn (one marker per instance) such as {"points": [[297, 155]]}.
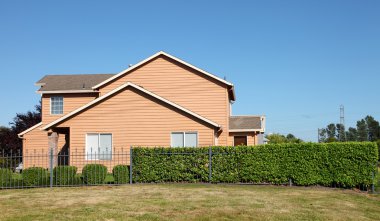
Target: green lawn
{"points": [[188, 202]]}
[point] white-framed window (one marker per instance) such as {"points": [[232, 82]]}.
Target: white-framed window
{"points": [[184, 139], [56, 105], [98, 146]]}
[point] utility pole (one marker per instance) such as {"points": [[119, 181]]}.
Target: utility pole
{"points": [[319, 139], [342, 115], [342, 136]]}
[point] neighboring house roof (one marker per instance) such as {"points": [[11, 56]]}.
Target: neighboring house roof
{"points": [[129, 84], [247, 123], [133, 67], [76, 83], [29, 129]]}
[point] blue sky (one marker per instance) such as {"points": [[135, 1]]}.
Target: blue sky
{"points": [[294, 61]]}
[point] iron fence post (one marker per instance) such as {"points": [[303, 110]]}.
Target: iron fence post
{"points": [[51, 167], [209, 164], [130, 164]]}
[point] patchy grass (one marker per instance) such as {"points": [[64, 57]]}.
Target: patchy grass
{"points": [[188, 202]]}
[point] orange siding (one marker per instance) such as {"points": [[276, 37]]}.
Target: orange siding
{"points": [[36, 148], [70, 103], [184, 86], [134, 119], [251, 138]]}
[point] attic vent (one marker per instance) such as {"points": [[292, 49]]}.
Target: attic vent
{"points": [[84, 86], [130, 65]]}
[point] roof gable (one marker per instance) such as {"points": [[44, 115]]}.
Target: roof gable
{"points": [[129, 84], [161, 53]]}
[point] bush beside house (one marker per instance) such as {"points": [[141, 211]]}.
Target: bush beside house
{"points": [[5, 177], [94, 174], [343, 164], [65, 175], [329, 164], [35, 176], [121, 174]]}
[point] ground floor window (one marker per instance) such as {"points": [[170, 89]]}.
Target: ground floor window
{"points": [[184, 139], [98, 146]]}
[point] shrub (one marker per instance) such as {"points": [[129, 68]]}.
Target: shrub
{"points": [[5, 177], [170, 165], [64, 175], [94, 173], [35, 176], [343, 164], [121, 174]]}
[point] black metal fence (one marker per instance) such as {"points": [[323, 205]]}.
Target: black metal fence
{"points": [[117, 167]]}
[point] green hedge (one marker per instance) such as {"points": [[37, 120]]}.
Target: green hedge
{"points": [[121, 174], [5, 177], [169, 165], [378, 146], [94, 173], [64, 175], [35, 176], [343, 164]]}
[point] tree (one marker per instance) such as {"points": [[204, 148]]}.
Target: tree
{"points": [[341, 132], [9, 140], [373, 128], [352, 134], [362, 129], [367, 129], [279, 138], [322, 135], [331, 133]]}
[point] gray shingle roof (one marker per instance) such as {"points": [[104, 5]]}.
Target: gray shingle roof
{"points": [[71, 82], [245, 122]]}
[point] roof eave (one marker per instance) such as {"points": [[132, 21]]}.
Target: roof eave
{"points": [[67, 92], [246, 130]]}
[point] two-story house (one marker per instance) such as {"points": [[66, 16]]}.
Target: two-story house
{"points": [[161, 101]]}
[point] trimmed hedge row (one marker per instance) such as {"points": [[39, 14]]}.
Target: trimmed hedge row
{"points": [[345, 164]]}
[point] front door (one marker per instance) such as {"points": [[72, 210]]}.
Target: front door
{"points": [[240, 140]]}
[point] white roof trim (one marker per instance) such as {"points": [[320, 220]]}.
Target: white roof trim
{"points": [[67, 92], [29, 129], [138, 88], [154, 56], [245, 130]]}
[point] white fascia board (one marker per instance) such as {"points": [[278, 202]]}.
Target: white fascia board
{"points": [[67, 92], [246, 130]]}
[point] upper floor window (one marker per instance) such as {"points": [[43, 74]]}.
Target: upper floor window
{"points": [[56, 105]]}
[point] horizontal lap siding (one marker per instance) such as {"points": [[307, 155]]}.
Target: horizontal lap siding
{"points": [[35, 145], [70, 103], [36, 148], [134, 119], [186, 87]]}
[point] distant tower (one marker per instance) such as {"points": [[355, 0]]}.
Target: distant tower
{"points": [[342, 115], [342, 136]]}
